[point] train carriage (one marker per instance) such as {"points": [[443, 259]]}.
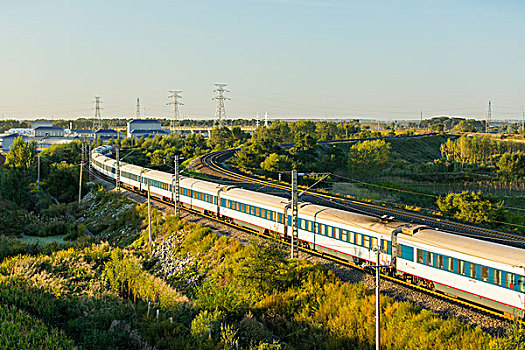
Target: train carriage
{"points": [[258, 211], [199, 195], [486, 273], [347, 235]]}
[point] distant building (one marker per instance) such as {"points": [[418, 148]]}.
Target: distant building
{"points": [[137, 134], [39, 123], [8, 140], [143, 125], [49, 131], [23, 131], [107, 134], [81, 133]]}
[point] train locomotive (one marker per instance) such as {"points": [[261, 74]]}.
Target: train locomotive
{"points": [[483, 272]]}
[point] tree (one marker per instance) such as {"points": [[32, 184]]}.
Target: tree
{"points": [[512, 165], [21, 154], [368, 157], [471, 207], [275, 162]]}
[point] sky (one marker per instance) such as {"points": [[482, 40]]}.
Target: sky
{"points": [[386, 60]]}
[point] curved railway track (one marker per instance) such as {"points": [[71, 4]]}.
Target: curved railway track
{"points": [[215, 162]]}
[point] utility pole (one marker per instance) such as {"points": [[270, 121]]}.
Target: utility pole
{"points": [[294, 253], [489, 118], [149, 216], [38, 177], [89, 161], [97, 123], [176, 210], [175, 95], [420, 119], [220, 112], [523, 121], [80, 175], [378, 298], [137, 113], [117, 175]]}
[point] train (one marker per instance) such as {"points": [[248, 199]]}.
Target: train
{"points": [[482, 272]]}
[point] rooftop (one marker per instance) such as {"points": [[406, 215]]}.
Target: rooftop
{"points": [[144, 121], [49, 128]]}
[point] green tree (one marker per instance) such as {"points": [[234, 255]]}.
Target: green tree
{"points": [[276, 162], [368, 157], [471, 207], [512, 165], [21, 154]]}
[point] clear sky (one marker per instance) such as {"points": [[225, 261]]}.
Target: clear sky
{"points": [[291, 58]]}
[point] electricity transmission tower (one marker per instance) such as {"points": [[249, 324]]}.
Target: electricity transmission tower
{"points": [[220, 113], [175, 95], [97, 123], [137, 114], [489, 117], [266, 119]]}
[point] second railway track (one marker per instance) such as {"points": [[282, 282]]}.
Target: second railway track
{"points": [[212, 165]]}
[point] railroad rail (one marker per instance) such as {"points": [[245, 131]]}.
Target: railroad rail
{"points": [[215, 162]]}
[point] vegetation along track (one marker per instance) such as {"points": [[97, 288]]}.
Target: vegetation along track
{"points": [[446, 306], [213, 166]]}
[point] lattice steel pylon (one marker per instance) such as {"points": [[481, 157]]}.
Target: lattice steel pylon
{"points": [[174, 95], [97, 123], [220, 112]]}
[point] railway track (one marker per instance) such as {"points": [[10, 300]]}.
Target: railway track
{"points": [[488, 319], [213, 165]]}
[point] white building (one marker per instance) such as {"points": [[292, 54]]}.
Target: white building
{"points": [[144, 127], [49, 131]]}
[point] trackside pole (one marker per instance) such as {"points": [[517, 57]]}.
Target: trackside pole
{"points": [[149, 216], [378, 299]]}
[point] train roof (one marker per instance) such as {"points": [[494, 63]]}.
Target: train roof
{"points": [[131, 168], [343, 217], [200, 185], [470, 246], [256, 197]]}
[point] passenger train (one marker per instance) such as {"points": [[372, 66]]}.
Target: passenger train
{"points": [[486, 273]]}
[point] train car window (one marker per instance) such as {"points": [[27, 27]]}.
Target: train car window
{"points": [[281, 221], [374, 243], [461, 265], [450, 264], [521, 284], [496, 277], [509, 281], [366, 241], [309, 226], [358, 239], [439, 261], [384, 247], [351, 237], [344, 235], [420, 256], [472, 270], [430, 261], [484, 273]]}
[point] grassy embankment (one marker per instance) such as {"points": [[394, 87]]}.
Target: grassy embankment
{"points": [[217, 295]]}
